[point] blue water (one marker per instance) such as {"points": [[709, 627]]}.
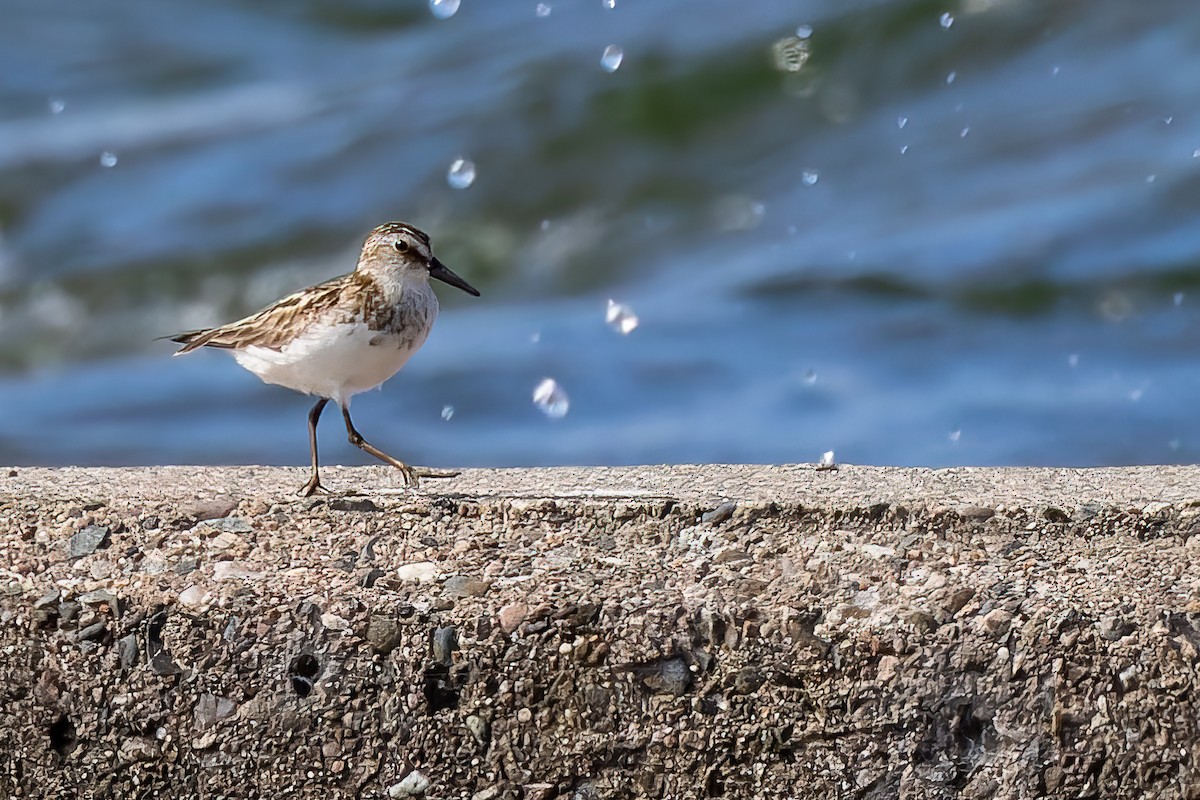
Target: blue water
{"points": [[965, 244]]}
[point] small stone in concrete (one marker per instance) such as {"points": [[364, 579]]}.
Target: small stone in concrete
{"points": [[414, 784], [478, 728], [417, 572], [719, 514], [462, 586], [202, 510], [230, 525], [127, 650], [99, 597], [92, 633], [512, 615], [996, 622], [445, 642], [86, 541], [1112, 627], [383, 633], [192, 596], [362, 504]]}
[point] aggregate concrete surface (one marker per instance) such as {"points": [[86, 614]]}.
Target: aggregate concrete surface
{"points": [[674, 632]]}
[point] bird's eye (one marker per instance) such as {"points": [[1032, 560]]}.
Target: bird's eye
{"points": [[402, 245]]}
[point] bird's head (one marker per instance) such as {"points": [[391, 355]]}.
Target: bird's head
{"points": [[406, 250]]}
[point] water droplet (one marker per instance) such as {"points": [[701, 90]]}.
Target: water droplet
{"points": [[443, 9], [963, 133], [903, 149], [804, 31], [461, 173], [790, 54], [108, 159], [1136, 395], [545, 226], [1175, 444], [447, 413], [1055, 70], [792, 230], [1168, 120], [1196, 154], [610, 4], [620, 318], [1178, 298], [956, 434], [1073, 360], [827, 460], [810, 177], [810, 377], [901, 122], [951, 77], [535, 337], [611, 58], [946, 20], [542, 10], [550, 399], [56, 105], [1151, 178]]}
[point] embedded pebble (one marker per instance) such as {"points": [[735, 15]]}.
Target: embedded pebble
{"points": [[512, 615], [417, 572], [414, 784], [86, 541]]}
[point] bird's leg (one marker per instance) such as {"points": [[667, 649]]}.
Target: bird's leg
{"points": [[411, 474], [314, 482]]}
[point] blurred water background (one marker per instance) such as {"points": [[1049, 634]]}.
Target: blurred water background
{"points": [[911, 232]]}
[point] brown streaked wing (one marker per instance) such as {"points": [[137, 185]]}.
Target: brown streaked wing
{"points": [[278, 323]]}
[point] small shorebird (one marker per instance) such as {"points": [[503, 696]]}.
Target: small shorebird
{"points": [[346, 335]]}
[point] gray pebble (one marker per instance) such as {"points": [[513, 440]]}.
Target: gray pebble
{"points": [[88, 540]]}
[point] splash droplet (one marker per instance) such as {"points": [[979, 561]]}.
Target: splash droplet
{"points": [[447, 413], [901, 122], [804, 31], [461, 173], [956, 434], [443, 9], [790, 54], [951, 77], [550, 399], [542, 10], [108, 159], [963, 133], [810, 377], [1178, 298], [827, 461], [810, 177], [611, 58], [1073, 360], [903, 149], [620, 318], [946, 20], [610, 4], [56, 105]]}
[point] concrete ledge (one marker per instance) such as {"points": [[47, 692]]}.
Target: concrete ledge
{"points": [[676, 632]]}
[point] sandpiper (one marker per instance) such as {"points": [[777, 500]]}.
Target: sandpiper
{"points": [[346, 335]]}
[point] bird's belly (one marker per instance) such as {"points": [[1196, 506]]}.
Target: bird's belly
{"points": [[335, 361]]}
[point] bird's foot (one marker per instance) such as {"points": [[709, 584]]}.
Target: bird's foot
{"points": [[430, 472], [412, 475], [312, 487]]}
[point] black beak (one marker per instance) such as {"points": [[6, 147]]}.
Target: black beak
{"points": [[439, 270]]}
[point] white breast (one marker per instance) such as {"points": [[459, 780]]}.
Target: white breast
{"points": [[337, 360]]}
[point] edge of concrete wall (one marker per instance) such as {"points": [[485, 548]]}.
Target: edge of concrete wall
{"points": [[707, 631]]}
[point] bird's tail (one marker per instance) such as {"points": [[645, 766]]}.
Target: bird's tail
{"points": [[191, 339]]}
